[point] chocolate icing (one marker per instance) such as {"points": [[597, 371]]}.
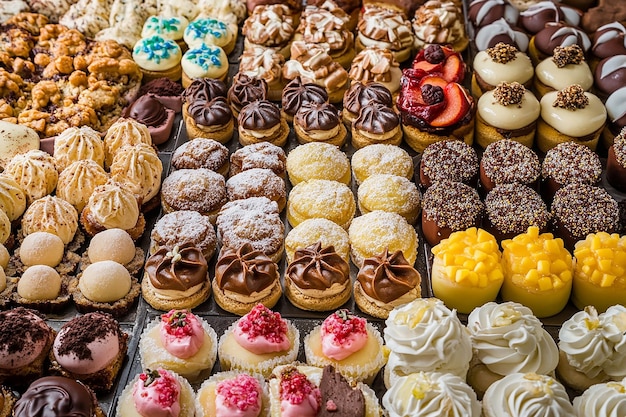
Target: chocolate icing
{"points": [[609, 41], [55, 396], [318, 268], [315, 116], [148, 110], [613, 81], [83, 330], [347, 5], [558, 34], [259, 115], [177, 270], [18, 326], [245, 270], [360, 94], [296, 93], [215, 112], [204, 89], [245, 90], [538, 15], [376, 118], [484, 12], [339, 399], [387, 277]]}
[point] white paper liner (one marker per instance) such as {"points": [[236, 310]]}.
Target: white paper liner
{"points": [[183, 367], [222, 376], [365, 372], [126, 405], [229, 361]]}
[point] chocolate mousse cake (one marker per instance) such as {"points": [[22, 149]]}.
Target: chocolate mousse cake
{"points": [[339, 398]]}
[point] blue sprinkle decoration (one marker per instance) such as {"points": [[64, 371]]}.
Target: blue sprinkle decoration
{"points": [[156, 48], [205, 56], [207, 26]]}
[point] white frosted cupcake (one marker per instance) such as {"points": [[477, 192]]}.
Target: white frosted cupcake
{"points": [[592, 348], [233, 394], [349, 343], [602, 400], [181, 342], [424, 335], [258, 342], [431, 394], [527, 395], [507, 338], [156, 393]]}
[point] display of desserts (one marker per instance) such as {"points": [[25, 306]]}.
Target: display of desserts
{"points": [[78, 214]]}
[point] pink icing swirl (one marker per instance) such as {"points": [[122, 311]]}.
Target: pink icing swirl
{"points": [[182, 334], [157, 394], [299, 397], [262, 331], [342, 335], [239, 396]]}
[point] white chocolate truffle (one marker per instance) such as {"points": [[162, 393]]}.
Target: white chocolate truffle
{"points": [[105, 282], [42, 248], [39, 282], [112, 245]]}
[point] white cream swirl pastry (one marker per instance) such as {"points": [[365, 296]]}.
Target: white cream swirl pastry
{"points": [[124, 131], [508, 338], [53, 215], [431, 394], [425, 335], [168, 27], [271, 26], [385, 28], [139, 169], [12, 198], [78, 143], [602, 400], [156, 53], [78, 181], [35, 172], [374, 64], [527, 395], [232, 12], [113, 206], [439, 22]]}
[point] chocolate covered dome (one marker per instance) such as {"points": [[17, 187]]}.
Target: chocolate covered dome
{"points": [[296, 93], [215, 112], [259, 115]]}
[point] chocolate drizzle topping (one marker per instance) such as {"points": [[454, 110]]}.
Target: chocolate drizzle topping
{"points": [[245, 90], [204, 89], [359, 94], [318, 268], [245, 270], [55, 396], [181, 269], [296, 93], [387, 277], [215, 112], [79, 332], [259, 115], [377, 118], [148, 110], [571, 98], [315, 116]]}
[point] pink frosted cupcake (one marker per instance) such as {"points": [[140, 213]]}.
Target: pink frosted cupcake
{"points": [[349, 343], [181, 342], [258, 342], [228, 394], [157, 393]]}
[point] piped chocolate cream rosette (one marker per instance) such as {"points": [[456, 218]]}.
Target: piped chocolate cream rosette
{"points": [[244, 90], [319, 123], [176, 278], [384, 282], [376, 124], [359, 94], [210, 119], [297, 93], [244, 278], [261, 121], [318, 279]]}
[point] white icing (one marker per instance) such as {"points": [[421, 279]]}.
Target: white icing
{"points": [[500, 27], [511, 117], [613, 64], [616, 105], [603, 400], [520, 69], [205, 61], [576, 123], [559, 78]]}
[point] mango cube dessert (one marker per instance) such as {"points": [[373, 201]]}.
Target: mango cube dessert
{"points": [[600, 271], [538, 272], [466, 271]]}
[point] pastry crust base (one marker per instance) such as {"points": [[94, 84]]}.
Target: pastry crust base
{"points": [[240, 308], [575, 380], [305, 302], [366, 305], [459, 45], [280, 139], [193, 301], [487, 134], [548, 137], [359, 140], [338, 140], [23, 376], [173, 74], [419, 140], [117, 309]]}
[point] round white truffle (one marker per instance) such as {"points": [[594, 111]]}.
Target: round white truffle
{"points": [[38, 283], [112, 245], [42, 248], [105, 282]]}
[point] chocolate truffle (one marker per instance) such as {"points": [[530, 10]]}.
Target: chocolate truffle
{"points": [[609, 41], [452, 160], [149, 111], [484, 12]]}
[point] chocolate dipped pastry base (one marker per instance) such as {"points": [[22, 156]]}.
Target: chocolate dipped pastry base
{"points": [[615, 172]]}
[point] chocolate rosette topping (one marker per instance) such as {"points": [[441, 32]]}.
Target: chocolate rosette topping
{"points": [[204, 89], [148, 110], [387, 277], [315, 116], [245, 90], [377, 118], [215, 112], [318, 268], [245, 270], [297, 93], [259, 115], [360, 94], [180, 269]]}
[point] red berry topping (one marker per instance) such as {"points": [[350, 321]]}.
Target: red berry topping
{"points": [[434, 54], [242, 392], [432, 94], [295, 387], [176, 323], [342, 324], [164, 383], [261, 321]]}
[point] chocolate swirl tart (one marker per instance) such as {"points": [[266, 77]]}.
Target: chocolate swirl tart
{"points": [[296, 93], [244, 278], [319, 123], [385, 281], [358, 95], [204, 89], [318, 279], [376, 124], [176, 278], [261, 121], [210, 119], [245, 90]]}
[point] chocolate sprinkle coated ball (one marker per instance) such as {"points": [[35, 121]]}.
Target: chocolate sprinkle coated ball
{"points": [[512, 208], [508, 161], [580, 209], [619, 147], [452, 160], [453, 205], [571, 162]]}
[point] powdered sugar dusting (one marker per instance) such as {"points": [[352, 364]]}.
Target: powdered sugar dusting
{"points": [[200, 190]]}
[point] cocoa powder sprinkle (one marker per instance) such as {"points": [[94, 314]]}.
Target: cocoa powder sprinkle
{"points": [[502, 53], [83, 330], [564, 55], [507, 94], [571, 98]]}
